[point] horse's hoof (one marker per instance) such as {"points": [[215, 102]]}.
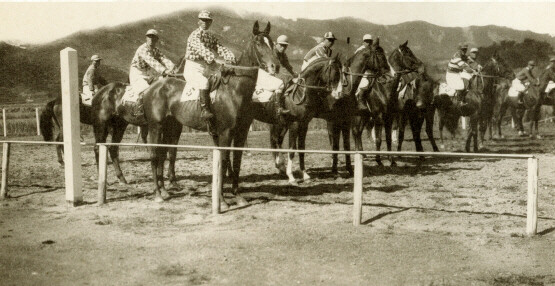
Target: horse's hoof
{"points": [[539, 137], [442, 146], [158, 199], [306, 177], [351, 172], [502, 136], [380, 164], [224, 206], [174, 186], [241, 201], [393, 164], [293, 183], [165, 195]]}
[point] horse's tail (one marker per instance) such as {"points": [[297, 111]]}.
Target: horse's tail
{"points": [[47, 121]]}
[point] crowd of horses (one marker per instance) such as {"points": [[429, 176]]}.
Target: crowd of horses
{"points": [[325, 89]]}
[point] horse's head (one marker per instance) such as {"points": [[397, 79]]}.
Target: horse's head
{"points": [[262, 50], [497, 66], [372, 59], [403, 59]]}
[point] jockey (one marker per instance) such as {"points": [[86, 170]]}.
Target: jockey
{"points": [[202, 49], [550, 68], [279, 50], [322, 50], [472, 60], [459, 72], [523, 79], [364, 83], [366, 42], [92, 80], [147, 65]]}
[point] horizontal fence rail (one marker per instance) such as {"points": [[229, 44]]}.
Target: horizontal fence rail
{"points": [[217, 172]]}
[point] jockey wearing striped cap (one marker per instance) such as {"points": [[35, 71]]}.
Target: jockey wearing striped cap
{"points": [[322, 50], [459, 72], [147, 65], [202, 49]]}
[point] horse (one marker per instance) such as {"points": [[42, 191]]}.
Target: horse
{"points": [[416, 105], [533, 100], [368, 63], [166, 114], [304, 98], [479, 97], [51, 117], [109, 114]]}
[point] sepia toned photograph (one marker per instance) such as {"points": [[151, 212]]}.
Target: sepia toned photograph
{"points": [[277, 143]]}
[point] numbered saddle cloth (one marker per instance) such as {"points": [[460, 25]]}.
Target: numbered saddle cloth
{"points": [[86, 97], [192, 92], [266, 85], [444, 88]]}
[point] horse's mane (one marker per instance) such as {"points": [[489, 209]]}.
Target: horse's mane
{"points": [[313, 65]]}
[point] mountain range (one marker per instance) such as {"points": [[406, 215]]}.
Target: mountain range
{"points": [[31, 72]]}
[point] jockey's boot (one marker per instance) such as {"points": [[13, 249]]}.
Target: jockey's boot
{"points": [[206, 113], [521, 98], [138, 110], [361, 103], [282, 111]]}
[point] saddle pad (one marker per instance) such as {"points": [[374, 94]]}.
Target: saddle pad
{"points": [[550, 87], [266, 84], [86, 99], [129, 95], [445, 89], [192, 93]]}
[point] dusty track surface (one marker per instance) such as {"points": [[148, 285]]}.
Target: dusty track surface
{"points": [[436, 222]]}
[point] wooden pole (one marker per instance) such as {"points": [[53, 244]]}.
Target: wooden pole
{"points": [[4, 122], [217, 180], [357, 190], [102, 171], [532, 210], [70, 114], [5, 168], [38, 120], [463, 122], [138, 129]]}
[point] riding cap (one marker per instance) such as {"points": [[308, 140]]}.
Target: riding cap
{"points": [[463, 46], [282, 40], [552, 59], [329, 35], [95, 58], [474, 50], [367, 37], [205, 14], [532, 63], [152, 32]]}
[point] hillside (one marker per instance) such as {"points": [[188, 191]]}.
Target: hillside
{"points": [[33, 72]]}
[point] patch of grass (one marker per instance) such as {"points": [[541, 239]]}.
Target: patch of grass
{"points": [[178, 270], [521, 279]]}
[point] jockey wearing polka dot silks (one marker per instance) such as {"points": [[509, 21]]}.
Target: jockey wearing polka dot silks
{"points": [[322, 50], [147, 65], [202, 50], [459, 72]]}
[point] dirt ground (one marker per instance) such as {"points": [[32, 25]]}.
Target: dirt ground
{"points": [[438, 222]]}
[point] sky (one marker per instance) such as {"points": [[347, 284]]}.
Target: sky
{"points": [[40, 22]]}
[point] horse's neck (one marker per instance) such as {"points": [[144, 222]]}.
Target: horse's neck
{"points": [[395, 61], [247, 57]]}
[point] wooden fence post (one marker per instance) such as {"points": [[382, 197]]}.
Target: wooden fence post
{"points": [[38, 120], [4, 122], [5, 169], [217, 180], [70, 112], [102, 172], [532, 210], [357, 190]]}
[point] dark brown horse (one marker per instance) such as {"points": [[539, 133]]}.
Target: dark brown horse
{"points": [[51, 121], [166, 114], [371, 63], [110, 116], [534, 98], [305, 97], [479, 98]]}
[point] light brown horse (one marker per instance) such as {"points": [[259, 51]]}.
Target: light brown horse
{"points": [[166, 113]]}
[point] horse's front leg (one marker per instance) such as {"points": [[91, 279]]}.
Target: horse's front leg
{"points": [[388, 123], [378, 133], [118, 130], [277, 134], [429, 118], [171, 137], [239, 141], [154, 137], [347, 145], [333, 135], [293, 138], [303, 129]]}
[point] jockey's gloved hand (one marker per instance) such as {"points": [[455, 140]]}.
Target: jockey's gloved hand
{"points": [[165, 73]]}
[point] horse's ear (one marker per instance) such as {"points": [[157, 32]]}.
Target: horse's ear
{"points": [[267, 30], [376, 43], [255, 28], [405, 43]]}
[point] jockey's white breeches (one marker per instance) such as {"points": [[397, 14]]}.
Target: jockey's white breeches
{"points": [[550, 87], [139, 79], [193, 75], [518, 86], [454, 80], [86, 95], [364, 82]]}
